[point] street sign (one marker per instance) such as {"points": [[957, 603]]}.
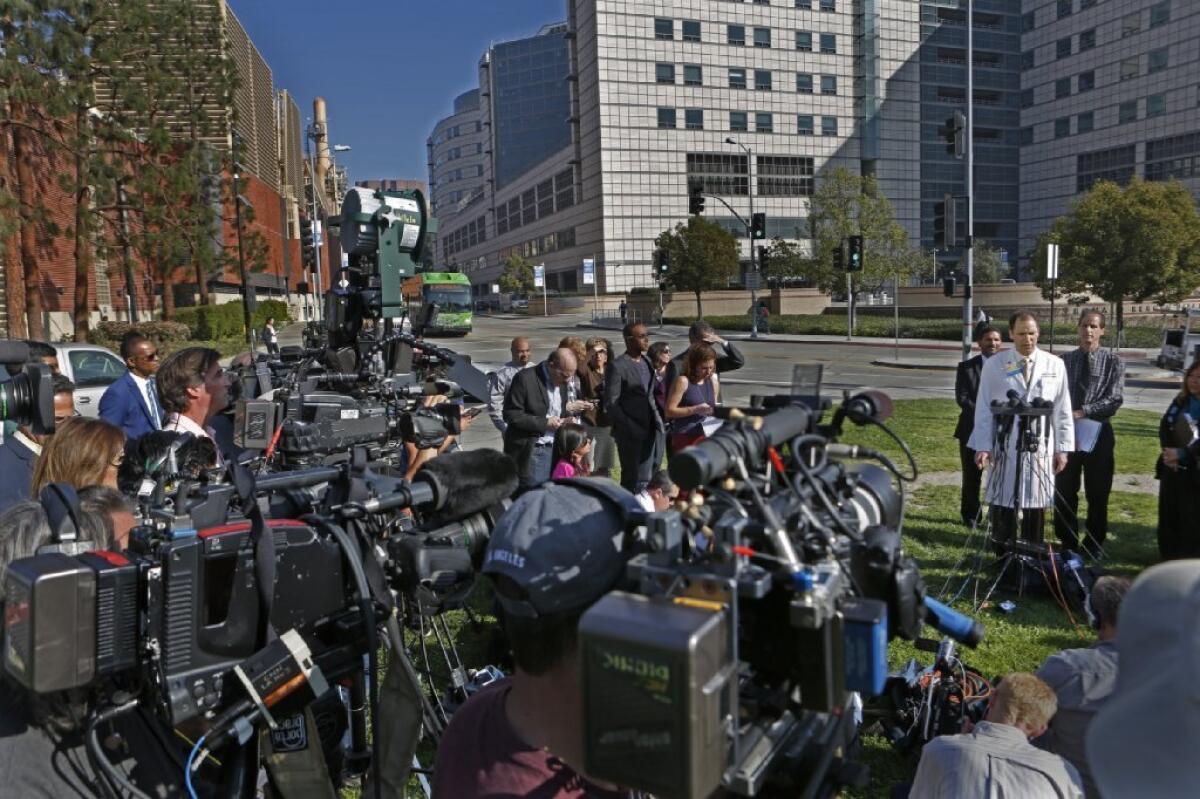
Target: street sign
{"points": [[1004, 257], [589, 272], [495, 288], [753, 281], [1052, 261], [318, 233], [539, 276]]}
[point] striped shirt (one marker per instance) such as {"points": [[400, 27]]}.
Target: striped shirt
{"points": [[1097, 382]]}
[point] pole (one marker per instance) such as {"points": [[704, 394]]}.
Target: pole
{"points": [[896, 309], [247, 317], [750, 236], [595, 287], [1052, 282], [545, 300], [849, 311], [967, 289], [312, 175], [130, 285]]}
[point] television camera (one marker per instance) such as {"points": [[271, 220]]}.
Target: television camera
{"points": [[26, 397], [759, 612]]}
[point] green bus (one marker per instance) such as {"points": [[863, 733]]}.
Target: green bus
{"points": [[450, 292]]}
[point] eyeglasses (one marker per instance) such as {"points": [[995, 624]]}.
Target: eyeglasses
{"points": [[639, 335]]}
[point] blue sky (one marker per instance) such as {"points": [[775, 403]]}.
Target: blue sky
{"points": [[388, 69]]}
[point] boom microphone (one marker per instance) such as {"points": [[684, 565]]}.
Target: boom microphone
{"points": [[464, 483]]}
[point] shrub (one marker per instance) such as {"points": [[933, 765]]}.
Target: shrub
{"points": [[166, 335], [270, 308], [208, 322]]}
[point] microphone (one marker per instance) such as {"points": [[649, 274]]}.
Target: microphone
{"points": [[948, 621], [464, 483], [870, 404], [1015, 400], [1042, 402]]}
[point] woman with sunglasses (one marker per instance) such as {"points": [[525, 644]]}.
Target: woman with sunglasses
{"points": [[592, 371]]}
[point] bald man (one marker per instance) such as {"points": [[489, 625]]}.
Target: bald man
{"points": [[501, 379], [539, 401]]}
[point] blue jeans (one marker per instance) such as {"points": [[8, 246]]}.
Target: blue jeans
{"points": [[540, 465]]}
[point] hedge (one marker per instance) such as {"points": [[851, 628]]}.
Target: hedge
{"points": [[165, 335], [208, 322]]}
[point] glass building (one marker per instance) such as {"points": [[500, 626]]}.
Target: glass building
{"points": [[531, 102]]}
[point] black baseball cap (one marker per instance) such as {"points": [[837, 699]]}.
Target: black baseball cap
{"points": [[561, 544]]}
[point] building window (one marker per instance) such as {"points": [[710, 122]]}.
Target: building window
{"points": [[762, 37], [1027, 98], [1064, 9], [693, 75], [1086, 4], [828, 43], [1027, 22], [829, 84], [693, 118], [1156, 105], [736, 35], [718, 173], [1085, 122], [1127, 112], [664, 73], [1062, 88], [1173, 157], [1063, 48], [804, 41], [1062, 127], [1087, 39], [829, 126], [761, 2], [737, 121], [804, 83], [1026, 135], [1158, 60], [1115, 164], [804, 124], [1160, 13], [829, 5], [1087, 81], [1129, 68], [1027, 59], [664, 28], [1131, 24], [737, 78], [691, 30], [762, 80], [666, 117], [764, 122], [804, 4]]}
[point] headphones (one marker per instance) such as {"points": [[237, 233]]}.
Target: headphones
{"points": [[1092, 617], [61, 504]]}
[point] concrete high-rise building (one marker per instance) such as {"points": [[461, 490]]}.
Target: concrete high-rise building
{"points": [[655, 93], [393, 184], [1110, 90]]}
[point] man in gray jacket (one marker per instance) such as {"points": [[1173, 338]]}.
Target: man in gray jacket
{"points": [[501, 379]]}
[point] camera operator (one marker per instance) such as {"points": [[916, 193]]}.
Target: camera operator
{"points": [[1083, 679], [42, 749], [995, 759], [193, 388], [19, 453], [553, 554], [113, 509]]}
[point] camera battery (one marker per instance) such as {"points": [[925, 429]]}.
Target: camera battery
{"points": [[654, 676], [865, 636], [116, 610], [50, 622]]}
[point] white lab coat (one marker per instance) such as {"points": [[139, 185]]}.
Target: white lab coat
{"points": [[1048, 380]]}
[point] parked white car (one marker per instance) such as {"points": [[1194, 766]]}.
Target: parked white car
{"points": [[92, 369]]}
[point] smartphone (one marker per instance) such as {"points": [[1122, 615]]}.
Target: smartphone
{"points": [[473, 411]]}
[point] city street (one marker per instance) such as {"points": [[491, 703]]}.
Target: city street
{"points": [[848, 365]]}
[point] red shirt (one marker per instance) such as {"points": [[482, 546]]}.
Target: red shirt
{"points": [[480, 755]]}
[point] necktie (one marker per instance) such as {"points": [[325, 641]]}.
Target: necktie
{"points": [[150, 398], [1025, 365]]}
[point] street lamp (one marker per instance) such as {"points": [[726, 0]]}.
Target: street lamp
{"points": [[750, 236], [238, 202]]}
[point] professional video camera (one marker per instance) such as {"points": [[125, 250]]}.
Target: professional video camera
{"points": [[758, 611], [360, 379], [238, 605], [28, 396]]}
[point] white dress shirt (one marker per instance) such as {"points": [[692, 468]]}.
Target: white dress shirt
{"points": [[143, 384]]}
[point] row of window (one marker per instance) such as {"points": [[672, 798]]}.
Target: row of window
{"points": [[693, 75], [1156, 105], [778, 175], [462, 173], [454, 153], [461, 129], [1160, 14], [542, 245], [548, 197], [470, 234], [764, 122], [824, 5], [736, 35]]}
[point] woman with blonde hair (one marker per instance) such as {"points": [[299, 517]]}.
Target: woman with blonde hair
{"points": [[82, 452]]}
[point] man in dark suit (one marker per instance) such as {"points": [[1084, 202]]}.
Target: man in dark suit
{"points": [[702, 332], [637, 426], [966, 388], [131, 403], [538, 402], [21, 449]]}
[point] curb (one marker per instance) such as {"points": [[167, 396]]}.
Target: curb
{"points": [[910, 365]]}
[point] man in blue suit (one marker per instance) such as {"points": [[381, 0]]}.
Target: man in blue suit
{"points": [[20, 450], [131, 403]]}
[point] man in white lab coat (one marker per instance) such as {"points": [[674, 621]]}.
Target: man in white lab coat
{"points": [[1034, 375]]}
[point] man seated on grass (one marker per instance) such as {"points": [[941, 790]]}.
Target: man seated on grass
{"points": [[995, 760], [1084, 679]]}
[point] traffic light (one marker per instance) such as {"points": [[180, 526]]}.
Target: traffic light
{"points": [[944, 223], [307, 254], [954, 132], [758, 226], [695, 197], [661, 264], [948, 286], [839, 256], [763, 259], [854, 254]]}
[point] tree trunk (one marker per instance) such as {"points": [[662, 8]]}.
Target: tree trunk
{"points": [[83, 244], [1121, 325], [14, 277], [699, 307], [26, 194], [168, 297]]}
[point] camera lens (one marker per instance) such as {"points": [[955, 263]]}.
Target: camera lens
{"points": [[28, 398]]}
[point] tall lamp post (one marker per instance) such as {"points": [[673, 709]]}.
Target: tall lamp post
{"points": [[238, 201], [750, 236], [311, 133]]}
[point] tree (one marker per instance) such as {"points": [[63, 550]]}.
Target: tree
{"points": [[517, 277], [786, 259], [843, 205], [701, 256], [987, 266], [1131, 243]]}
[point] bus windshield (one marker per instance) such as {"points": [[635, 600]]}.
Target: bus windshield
{"points": [[451, 299]]}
